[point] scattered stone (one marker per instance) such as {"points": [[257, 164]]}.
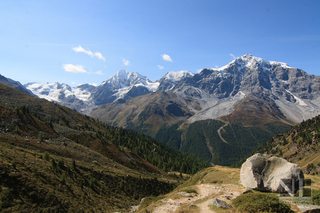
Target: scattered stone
{"points": [[220, 203], [272, 174], [192, 205], [185, 194], [134, 209]]}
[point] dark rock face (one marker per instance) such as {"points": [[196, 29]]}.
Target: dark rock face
{"points": [[15, 85], [272, 174]]}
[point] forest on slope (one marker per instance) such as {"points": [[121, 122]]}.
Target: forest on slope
{"points": [[54, 158]]}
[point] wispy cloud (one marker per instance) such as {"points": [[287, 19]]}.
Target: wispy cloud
{"points": [[160, 67], [166, 57], [88, 52], [125, 62], [74, 68], [233, 56], [98, 72]]}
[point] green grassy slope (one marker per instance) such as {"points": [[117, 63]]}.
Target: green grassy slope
{"points": [[113, 166]]}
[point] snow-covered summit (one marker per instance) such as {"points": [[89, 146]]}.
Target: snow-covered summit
{"points": [[124, 78], [249, 61], [177, 76], [57, 91]]}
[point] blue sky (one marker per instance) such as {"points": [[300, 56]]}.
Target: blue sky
{"points": [[81, 41]]}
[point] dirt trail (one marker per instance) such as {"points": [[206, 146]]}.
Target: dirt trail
{"points": [[224, 192], [219, 132]]}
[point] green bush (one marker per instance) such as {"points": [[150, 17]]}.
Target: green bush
{"points": [[260, 202], [61, 163], [63, 178], [91, 183], [46, 156], [316, 197], [190, 191]]}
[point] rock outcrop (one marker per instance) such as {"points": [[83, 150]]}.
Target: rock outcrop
{"points": [[220, 204], [272, 174]]}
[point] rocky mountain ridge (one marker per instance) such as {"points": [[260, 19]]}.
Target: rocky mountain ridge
{"points": [[225, 112], [295, 92], [122, 85], [216, 91]]}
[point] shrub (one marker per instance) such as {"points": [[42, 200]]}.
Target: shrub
{"points": [[13, 164], [316, 197], [53, 164], [40, 136], [63, 178], [61, 163], [260, 202], [68, 171], [91, 183], [46, 156], [190, 191], [73, 164]]}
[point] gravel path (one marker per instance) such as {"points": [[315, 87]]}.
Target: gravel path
{"points": [[224, 192]]}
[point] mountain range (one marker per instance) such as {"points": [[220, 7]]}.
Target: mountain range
{"points": [[122, 85], [246, 94], [216, 91]]}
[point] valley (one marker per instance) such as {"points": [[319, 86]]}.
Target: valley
{"points": [[54, 158], [106, 147]]}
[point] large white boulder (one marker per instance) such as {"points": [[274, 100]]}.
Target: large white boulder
{"points": [[272, 174]]}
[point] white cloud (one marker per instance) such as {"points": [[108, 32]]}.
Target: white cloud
{"points": [[74, 68], [233, 56], [88, 52], [99, 72], [99, 55], [160, 67], [125, 62], [166, 57]]}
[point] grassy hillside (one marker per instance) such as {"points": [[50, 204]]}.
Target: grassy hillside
{"points": [[54, 158], [299, 145], [42, 182]]}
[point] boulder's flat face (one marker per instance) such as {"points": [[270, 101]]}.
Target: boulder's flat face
{"points": [[272, 174]]}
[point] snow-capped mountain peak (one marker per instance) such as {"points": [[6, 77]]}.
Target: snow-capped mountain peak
{"points": [[177, 76], [124, 78], [250, 61]]}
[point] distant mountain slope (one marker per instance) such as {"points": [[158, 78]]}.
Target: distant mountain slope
{"points": [[144, 113], [258, 97], [15, 84], [78, 98], [122, 85], [298, 145]]}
